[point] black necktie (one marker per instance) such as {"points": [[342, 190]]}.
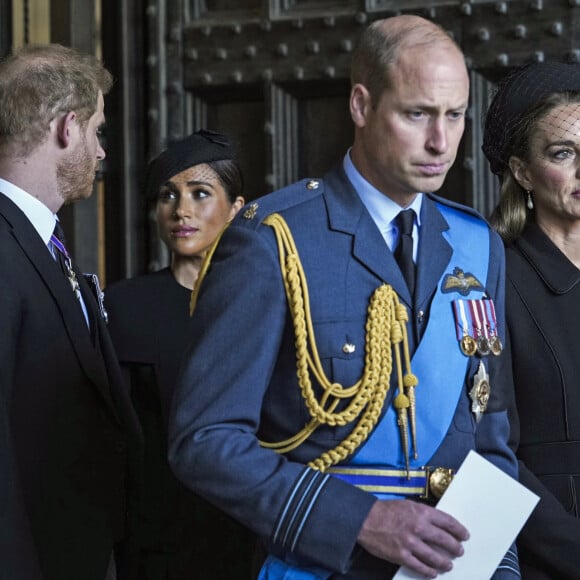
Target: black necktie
{"points": [[404, 250]]}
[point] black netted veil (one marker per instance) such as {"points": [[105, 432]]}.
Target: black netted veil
{"points": [[515, 96]]}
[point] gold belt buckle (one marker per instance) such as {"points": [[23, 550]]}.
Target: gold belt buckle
{"points": [[437, 481]]}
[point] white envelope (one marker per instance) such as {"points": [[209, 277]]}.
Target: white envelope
{"points": [[493, 507]]}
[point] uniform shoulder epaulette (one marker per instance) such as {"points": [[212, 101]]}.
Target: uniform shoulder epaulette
{"points": [[278, 201]]}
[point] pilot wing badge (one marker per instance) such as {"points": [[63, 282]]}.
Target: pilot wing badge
{"points": [[460, 281]]}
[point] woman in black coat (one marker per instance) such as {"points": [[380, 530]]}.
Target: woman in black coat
{"points": [[532, 141], [196, 186]]}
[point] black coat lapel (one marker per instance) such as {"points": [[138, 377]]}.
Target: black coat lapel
{"points": [[56, 283]]}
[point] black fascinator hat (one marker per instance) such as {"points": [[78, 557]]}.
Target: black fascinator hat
{"points": [[203, 146], [517, 94]]}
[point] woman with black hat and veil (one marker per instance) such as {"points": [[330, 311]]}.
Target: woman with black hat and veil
{"points": [[196, 186], [532, 141]]}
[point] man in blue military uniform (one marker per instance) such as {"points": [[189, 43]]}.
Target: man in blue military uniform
{"points": [[308, 405]]}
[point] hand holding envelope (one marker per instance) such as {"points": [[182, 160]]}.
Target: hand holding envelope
{"points": [[493, 524]]}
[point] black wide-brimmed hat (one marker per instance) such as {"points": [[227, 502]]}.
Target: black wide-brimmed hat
{"points": [[203, 146], [516, 95]]}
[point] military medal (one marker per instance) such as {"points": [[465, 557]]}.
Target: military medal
{"points": [[476, 327], [495, 344], [93, 282], [480, 392], [72, 278], [468, 345], [481, 339], [483, 345], [466, 340], [66, 261]]}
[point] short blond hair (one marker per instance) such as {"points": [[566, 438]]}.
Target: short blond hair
{"points": [[37, 82]]}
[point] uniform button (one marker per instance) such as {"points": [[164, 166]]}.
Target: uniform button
{"points": [[348, 348], [420, 316], [313, 184]]}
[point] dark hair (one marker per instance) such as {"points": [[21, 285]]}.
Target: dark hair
{"points": [[230, 175]]}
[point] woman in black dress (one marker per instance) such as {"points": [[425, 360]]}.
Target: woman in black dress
{"points": [[196, 186], [532, 141]]}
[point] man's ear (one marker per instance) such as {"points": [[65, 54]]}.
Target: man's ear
{"points": [[64, 128], [360, 104]]}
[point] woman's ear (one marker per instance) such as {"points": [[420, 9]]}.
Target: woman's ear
{"points": [[519, 170], [236, 207]]}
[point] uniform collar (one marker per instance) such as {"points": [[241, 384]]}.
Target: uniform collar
{"points": [[381, 208]]}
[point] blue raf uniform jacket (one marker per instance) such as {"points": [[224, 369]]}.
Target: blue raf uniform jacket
{"points": [[238, 381]]}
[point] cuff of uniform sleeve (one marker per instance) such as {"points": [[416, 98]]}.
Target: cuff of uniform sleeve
{"points": [[509, 567], [321, 520]]}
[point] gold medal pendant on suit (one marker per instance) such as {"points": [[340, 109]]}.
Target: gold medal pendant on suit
{"points": [[468, 345]]}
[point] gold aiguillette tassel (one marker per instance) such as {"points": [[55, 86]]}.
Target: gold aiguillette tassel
{"points": [[410, 382], [401, 404]]}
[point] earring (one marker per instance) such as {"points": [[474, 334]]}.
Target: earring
{"points": [[529, 200]]}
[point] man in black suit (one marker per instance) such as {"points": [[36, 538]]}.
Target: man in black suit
{"points": [[67, 430]]}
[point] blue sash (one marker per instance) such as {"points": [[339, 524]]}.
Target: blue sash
{"points": [[441, 383], [276, 569]]}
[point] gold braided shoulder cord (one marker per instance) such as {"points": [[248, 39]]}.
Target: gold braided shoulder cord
{"points": [[203, 269], [385, 331]]}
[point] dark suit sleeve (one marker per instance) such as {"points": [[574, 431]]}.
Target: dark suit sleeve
{"points": [[18, 559], [241, 323]]}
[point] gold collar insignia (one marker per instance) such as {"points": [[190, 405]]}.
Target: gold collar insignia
{"points": [[250, 213]]}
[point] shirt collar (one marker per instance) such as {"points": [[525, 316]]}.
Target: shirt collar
{"points": [[381, 207], [37, 213]]}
